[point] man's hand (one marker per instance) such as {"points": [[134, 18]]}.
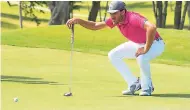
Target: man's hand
{"points": [[72, 21], [140, 51], [87, 24]]}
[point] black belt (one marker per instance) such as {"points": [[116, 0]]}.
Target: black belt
{"points": [[158, 39]]}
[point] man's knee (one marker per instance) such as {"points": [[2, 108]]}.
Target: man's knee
{"points": [[142, 60], [113, 55]]}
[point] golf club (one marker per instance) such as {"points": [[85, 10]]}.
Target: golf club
{"points": [[72, 45]]}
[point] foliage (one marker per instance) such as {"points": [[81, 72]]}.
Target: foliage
{"points": [[28, 8]]}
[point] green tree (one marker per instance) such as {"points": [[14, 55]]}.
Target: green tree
{"points": [[61, 11], [94, 10], [20, 14], [188, 10], [177, 16], [160, 13], [28, 7], [105, 13], [183, 16], [164, 14]]}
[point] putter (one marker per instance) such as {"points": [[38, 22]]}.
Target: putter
{"points": [[72, 45]]}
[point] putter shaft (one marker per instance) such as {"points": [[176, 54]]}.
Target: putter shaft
{"points": [[71, 58]]}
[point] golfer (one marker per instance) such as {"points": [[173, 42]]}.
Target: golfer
{"points": [[144, 44]]}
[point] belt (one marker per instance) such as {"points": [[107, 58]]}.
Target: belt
{"points": [[158, 39]]}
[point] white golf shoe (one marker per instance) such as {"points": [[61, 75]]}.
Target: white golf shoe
{"points": [[133, 88], [147, 92]]}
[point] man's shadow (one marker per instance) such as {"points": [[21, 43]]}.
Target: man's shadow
{"points": [[168, 95], [172, 95], [27, 80]]}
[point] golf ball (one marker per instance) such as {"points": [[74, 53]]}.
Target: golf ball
{"points": [[15, 99]]}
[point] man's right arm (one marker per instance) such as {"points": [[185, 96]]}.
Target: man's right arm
{"points": [[87, 24]]}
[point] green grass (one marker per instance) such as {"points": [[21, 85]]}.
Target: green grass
{"points": [[100, 42], [36, 67], [39, 78]]}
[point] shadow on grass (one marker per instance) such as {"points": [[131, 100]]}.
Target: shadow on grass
{"points": [[27, 80], [6, 15], [170, 95], [8, 25], [126, 95]]}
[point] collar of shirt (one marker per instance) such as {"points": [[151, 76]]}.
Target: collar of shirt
{"points": [[125, 19]]}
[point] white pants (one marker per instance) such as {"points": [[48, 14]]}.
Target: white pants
{"points": [[128, 50]]}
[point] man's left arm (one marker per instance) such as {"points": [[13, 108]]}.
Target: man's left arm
{"points": [[150, 35], [150, 28]]}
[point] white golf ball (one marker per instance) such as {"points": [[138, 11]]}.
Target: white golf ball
{"points": [[15, 99]]}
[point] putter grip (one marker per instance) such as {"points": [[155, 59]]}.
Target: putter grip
{"points": [[72, 34]]}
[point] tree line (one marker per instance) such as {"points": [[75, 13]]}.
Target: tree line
{"points": [[160, 13], [61, 11]]}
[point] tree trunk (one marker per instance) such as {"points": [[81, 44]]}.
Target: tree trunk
{"points": [[183, 16], [159, 14], [188, 8], [154, 9], [164, 14], [60, 13], [71, 9], [100, 14], [51, 6], [106, 11], [177, 16], [9, 3], [20, 14], [94, 10]]}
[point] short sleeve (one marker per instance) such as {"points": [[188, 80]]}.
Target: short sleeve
{"points": [[109, 23], [137, 20]]}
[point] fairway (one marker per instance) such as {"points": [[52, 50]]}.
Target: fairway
{"points": [[39, 77]]}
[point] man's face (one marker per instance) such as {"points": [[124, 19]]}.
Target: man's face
{"points": [[116, 17]]}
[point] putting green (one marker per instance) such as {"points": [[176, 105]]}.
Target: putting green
{"points": [[39, 77]]}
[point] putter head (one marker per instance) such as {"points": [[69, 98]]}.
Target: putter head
{"points": [[68, 94]]}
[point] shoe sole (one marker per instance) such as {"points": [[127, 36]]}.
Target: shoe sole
{"points": [[133, 90], [144, 94]]}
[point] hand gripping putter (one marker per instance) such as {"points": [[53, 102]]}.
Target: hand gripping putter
{"points": [[72, 45]]}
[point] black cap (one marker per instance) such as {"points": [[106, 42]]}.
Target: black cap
{"points": [[116, 6]]}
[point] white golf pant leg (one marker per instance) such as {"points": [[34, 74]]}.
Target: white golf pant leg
{"points": [[144, 63], [128, 50], [116, 55]]}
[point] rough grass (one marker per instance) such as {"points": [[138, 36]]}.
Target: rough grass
{"points": [[100, 42]]}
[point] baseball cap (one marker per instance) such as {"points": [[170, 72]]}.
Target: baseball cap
{"points": [[116, 6]]}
